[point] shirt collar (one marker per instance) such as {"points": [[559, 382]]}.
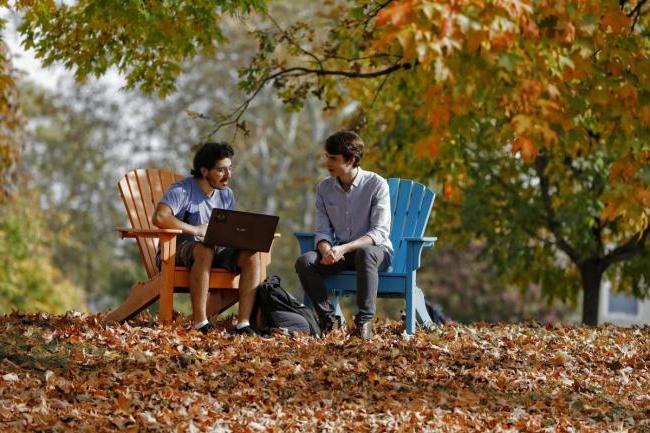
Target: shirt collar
{"points": [[355, 182], [357, 178]]}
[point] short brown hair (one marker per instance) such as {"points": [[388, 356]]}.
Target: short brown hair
{"points": [[346, 143]]}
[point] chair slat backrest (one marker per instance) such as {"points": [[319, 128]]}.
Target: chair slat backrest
{"points": [[141, 191], [411, 205]]}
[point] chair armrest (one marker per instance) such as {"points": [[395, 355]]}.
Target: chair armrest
{"points": [[306, 241], [427, 242], [145, 233], [414, 247]]}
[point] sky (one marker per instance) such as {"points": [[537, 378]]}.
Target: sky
{"points": [[26, 62]]}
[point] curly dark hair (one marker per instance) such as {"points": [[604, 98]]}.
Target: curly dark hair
{"points": [[208, 154], [346, 143]]}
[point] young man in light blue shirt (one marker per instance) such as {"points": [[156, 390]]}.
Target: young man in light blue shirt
{"points": [[187, 205], [352, 232]]}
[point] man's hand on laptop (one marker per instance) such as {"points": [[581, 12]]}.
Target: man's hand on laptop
{"points": [[199, 231]]}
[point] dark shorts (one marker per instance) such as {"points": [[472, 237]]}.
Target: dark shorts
{"points": [[224, 257]]}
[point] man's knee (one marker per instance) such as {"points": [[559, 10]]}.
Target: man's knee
{"points": [[365, 256], [248, 259], [202, 255], [305, 261]]}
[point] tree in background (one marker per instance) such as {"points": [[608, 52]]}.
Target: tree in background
{"points": [[29, 281], [11, 127], [76, 148]]}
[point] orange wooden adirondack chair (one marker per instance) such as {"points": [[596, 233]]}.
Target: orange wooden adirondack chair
{"points": [[141, 191]]}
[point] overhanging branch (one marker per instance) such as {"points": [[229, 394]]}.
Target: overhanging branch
{"points": [[635, 13], [299, 71]]}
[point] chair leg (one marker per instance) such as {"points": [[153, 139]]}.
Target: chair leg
{"points": [[421, 312], [409, 326], [168, 257], [337, 307], [141, 296], [165, 312], [410, 307]]}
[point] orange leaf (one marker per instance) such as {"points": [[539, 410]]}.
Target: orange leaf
{"points": [[611, 211], [398, 13], [123, 402], [581, 69], [527, 147], [622, 169], [530, 29], [382, 17], [474, 40], [502, 40], [451, 192], [427, 147], [439, 116], [643, 194], [615, 21]]}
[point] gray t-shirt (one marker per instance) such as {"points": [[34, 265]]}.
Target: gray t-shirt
{"points": [[190, 204]]}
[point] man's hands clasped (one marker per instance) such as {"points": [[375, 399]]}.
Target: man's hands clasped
{"points": [[332, 254]]}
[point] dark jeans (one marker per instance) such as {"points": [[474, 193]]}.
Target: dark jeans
{"points": [[367, 261]]}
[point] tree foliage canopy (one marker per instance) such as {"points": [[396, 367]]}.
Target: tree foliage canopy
{"points": [[146, 41]]}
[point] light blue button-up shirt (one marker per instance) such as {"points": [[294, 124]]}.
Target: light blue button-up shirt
{"points": [[344, 216]]}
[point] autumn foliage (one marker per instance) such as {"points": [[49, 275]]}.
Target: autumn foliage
{"points": [[71, 373], [563, 76]]}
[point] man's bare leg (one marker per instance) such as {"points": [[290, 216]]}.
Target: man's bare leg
{"points": [[250, 264], [200, 281]]}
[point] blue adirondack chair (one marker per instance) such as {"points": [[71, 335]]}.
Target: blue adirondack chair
{"points": [[410, 204]]}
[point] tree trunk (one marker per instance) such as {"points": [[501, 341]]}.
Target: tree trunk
{"points": [[592, 275]]}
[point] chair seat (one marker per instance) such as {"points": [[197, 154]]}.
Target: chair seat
{"points": [[389, 282], [219, 279]]}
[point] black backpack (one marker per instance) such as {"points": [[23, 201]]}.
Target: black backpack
{"points": [[281, 310]]}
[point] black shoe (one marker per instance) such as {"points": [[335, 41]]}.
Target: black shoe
{"points": [[364, 331], [208, 327], [246, 330], [263, 332], [330, 324]]}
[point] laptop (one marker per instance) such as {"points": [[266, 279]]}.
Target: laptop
{"points": [[243, 230]]}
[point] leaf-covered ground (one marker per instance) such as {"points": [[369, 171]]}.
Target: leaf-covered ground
{"points": [[73, 373]]}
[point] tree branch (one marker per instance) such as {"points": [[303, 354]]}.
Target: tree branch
{"points": [[633, 246], [298, 71], [635, 13], [598, 234], [293, 42], [540, 166]]}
